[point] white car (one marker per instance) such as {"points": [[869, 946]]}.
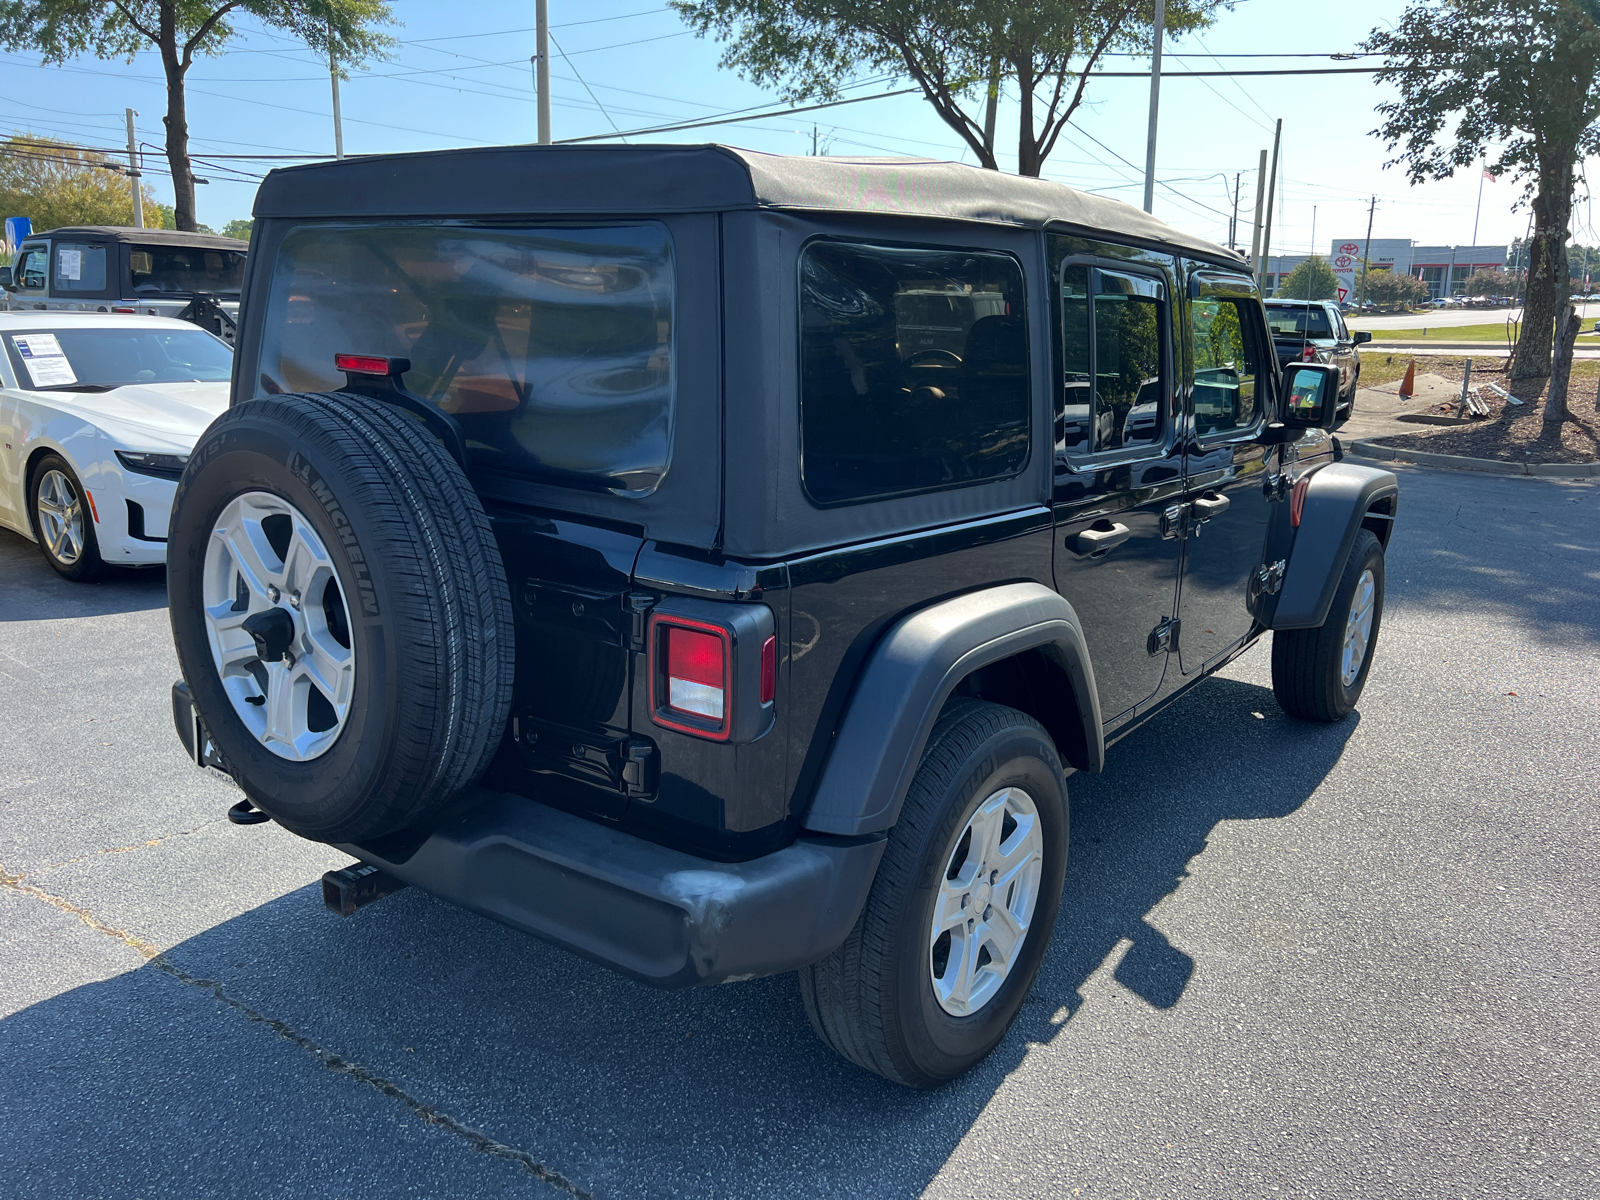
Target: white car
{"points": [[98, 414]]}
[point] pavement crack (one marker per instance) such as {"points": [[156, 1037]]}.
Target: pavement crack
{"points": [[166, 837], [14, 883], [475, 1139], [478, 1141]]}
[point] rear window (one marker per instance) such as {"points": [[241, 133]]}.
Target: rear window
{"points": [[552, 347], [914, 370], [184, 269], [1299, 322]]}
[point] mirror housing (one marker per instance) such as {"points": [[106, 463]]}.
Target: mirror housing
{"points": [[1361, 336], [5, 278], [1310, 395]]}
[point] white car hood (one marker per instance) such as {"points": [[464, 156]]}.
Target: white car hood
{"points": [[149, 416]]}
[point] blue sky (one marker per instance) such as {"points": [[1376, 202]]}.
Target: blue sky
{"points": [[461, 77]]}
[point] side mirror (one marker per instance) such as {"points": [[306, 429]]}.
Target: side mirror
{"points": [[1311, 395], [1362, 336], [5, 278]]}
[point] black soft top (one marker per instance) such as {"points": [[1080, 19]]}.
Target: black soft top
{"points": [[146, 237], [504, 181]]}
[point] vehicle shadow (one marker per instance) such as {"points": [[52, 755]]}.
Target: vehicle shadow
{"points": [[31, 591], [617, 1088]]}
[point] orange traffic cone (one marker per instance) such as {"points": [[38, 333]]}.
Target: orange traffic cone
{"points": [[1408, 385]]}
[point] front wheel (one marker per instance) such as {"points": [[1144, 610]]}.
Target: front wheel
{"points": [[961, 913], [1318, 674], [63, 518]]}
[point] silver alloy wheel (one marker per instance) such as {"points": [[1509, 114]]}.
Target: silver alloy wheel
{"points": [[60, 513], [264, 558], [1358, 628], [987, 896]]}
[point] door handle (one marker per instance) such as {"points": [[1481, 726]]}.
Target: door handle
{"points": [[1095, 542], [1210, 505]]}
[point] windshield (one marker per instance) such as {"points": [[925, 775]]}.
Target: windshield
{"points": [[185, 269], [1299, 322], [100, 359]]}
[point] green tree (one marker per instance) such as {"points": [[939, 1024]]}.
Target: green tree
{"points": [[1390, 289], [1311, 280], [55, 183], [1489, 281], [239, 228], [1519, 75], [180, 30], [957, 54]]}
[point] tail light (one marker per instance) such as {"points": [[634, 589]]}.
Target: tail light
{"points": [[1309, 354], [369, 364], [1297, 500], [712, 668]]}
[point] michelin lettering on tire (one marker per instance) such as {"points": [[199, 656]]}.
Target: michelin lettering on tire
{"points": [[300, 467]]}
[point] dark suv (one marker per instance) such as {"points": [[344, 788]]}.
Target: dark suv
{"points": [[1314, 331], [716, 563]]}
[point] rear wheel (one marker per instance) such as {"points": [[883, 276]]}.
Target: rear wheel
{"points": [[341, 613], [63, 519], [1318, 674], [962, 909]]}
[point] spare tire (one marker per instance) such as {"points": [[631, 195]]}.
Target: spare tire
{"points": [[340, 611]]}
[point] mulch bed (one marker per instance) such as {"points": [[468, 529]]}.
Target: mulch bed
{"points": [[1512, 433]]}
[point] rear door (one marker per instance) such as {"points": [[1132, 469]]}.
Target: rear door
{"points": [[1118, 483], [1226, 359]]}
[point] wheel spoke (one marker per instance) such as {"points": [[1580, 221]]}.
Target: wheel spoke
{"points": [[281, 703], [330, 667], [1004, 934], [949, 913], [247, 560], [305, 559], [965, 968]]}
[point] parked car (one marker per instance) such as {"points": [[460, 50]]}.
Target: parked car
{"points": [[1314, 331], [97, 418], [153, 272], [692, 556]]}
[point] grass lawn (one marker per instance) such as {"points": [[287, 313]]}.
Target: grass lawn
{"points": [[1380, 368], [1495, 332]]}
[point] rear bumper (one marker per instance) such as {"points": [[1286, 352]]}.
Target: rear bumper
{"points": [[662, 916]]}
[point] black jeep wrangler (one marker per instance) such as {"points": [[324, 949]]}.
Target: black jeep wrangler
{"points": [[716, 563]]}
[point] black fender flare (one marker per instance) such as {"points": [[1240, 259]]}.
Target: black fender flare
{"points": [[1338, 499], [912, 672]]}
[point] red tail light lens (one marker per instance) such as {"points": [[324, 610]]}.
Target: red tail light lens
{"points": [[697, 667], [769, 670], [1309, 354], [361, 364]]}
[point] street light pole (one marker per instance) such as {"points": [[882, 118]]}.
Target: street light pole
{"points": [[133, 172], [333, 76], [541, 22], [1155, 105]]}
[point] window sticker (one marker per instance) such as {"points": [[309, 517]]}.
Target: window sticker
{"points": [[41, 354], [70, 265]]}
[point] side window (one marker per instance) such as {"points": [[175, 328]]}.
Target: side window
{"points": [[913, 370], [1227, 366], [1112, 326], [30, 269], [80, 267]]}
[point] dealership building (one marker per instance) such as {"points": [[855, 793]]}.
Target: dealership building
{"points": [[1443, 268]]}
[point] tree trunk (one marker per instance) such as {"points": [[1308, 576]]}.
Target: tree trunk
{"points": [[177, 123], [993, 103], [1546, 287], [1028, 161], [1555, 403]]}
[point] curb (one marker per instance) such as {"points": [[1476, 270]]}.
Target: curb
{"points": [[1485, 466]]}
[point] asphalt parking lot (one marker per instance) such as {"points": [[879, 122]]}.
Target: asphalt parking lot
{"points": [[1292, 961]]}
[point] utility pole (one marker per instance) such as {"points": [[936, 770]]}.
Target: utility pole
{"points": [[1155, 104], [1272, 195], [1233, 223], [541, 21], [333, 76], [133, 172], [1366, 254], [1484, 170], [1261, 196]]}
